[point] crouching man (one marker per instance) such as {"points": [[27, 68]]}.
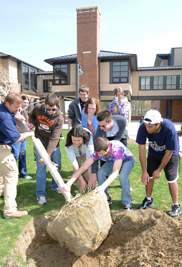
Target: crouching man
{"points": [[118, 161]]}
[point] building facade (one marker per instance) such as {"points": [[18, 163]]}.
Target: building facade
{"points": [[105, 70]]}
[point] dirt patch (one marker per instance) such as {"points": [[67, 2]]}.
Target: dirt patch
{"points": [[137, 238]]}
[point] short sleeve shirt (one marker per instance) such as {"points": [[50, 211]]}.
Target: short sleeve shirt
{"points": [[116, 151], [166, 139]]}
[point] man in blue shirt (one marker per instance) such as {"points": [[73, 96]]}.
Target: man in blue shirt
{"points": [[163, 153], [9, 135]]}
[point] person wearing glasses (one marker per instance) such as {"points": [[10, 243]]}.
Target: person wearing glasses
{"points": [[120, 106], [79, 146], [112, 127], [48, 121], [89, 115]]}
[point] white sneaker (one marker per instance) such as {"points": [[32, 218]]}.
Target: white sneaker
{"points": [[57, 190], [28, 177], [41, 200]]}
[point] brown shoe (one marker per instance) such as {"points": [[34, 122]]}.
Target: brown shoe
{"points": [[15, 214]]}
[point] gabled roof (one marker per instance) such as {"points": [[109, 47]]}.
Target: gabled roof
{"points": [[103, 56], [3, 55]]}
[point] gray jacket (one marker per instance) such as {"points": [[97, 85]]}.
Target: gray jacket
{"points": [[75, 112], [121, 122]]}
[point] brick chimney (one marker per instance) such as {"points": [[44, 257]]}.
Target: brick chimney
{"points": [[88, 47]]}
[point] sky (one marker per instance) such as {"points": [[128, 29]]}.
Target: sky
{"points": [[37, 30]]}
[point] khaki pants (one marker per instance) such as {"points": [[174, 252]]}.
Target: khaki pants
{"points": [[10, 176], [1, 184], [85, 175]]}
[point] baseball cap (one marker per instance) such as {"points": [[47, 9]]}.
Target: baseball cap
{"points": [[152, 117]]}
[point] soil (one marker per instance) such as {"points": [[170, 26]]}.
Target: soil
{"points": [[137, 238]]}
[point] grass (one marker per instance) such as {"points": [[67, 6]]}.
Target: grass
{"points": [[26, 197]]}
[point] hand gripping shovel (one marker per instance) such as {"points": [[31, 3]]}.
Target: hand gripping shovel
{"points": [[50, 165]]}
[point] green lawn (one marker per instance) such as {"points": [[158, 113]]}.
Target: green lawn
{"points": [[26, 196]]}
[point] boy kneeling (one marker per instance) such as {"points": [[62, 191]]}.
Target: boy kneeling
{"points": [[118, 161]]}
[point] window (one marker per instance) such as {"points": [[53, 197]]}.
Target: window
{"points": [[145, 83], [25, 77], [180, 82], [158, 83], [32, 79], [171, 82], [61, 74], [29, 78], [119, 72], [47, 86]]}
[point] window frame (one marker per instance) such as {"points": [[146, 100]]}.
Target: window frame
{"points": [[120, 77], [60, 80], [177, 85], [25, 78], [45, 86], [171, 84]]}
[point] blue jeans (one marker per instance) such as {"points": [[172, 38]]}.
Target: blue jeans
{"points": [[126, 168], [19, 152], [16, 150], [41, 172]]}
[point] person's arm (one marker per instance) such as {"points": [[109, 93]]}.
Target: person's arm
{"points": [[55, 135], [19, 117], [99, 133], [166, 158], [142, 157], [67, 187], [83, 184], [24, 136], [116, 169]]}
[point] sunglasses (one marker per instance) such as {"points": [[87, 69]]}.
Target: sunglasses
{"points": [[53, 109], [80, 153], [103, 126]]}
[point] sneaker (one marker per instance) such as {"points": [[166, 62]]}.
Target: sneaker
{"points": [[61, 137], [146, 203], [129, 206], [15, 214], [41, 200], [176, 211], [57, 190], [109, 201], [28, 177]]}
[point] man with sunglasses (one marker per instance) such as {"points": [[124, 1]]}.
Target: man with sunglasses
{"points": [[48, 121], [163, 153], [112, 127]]}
